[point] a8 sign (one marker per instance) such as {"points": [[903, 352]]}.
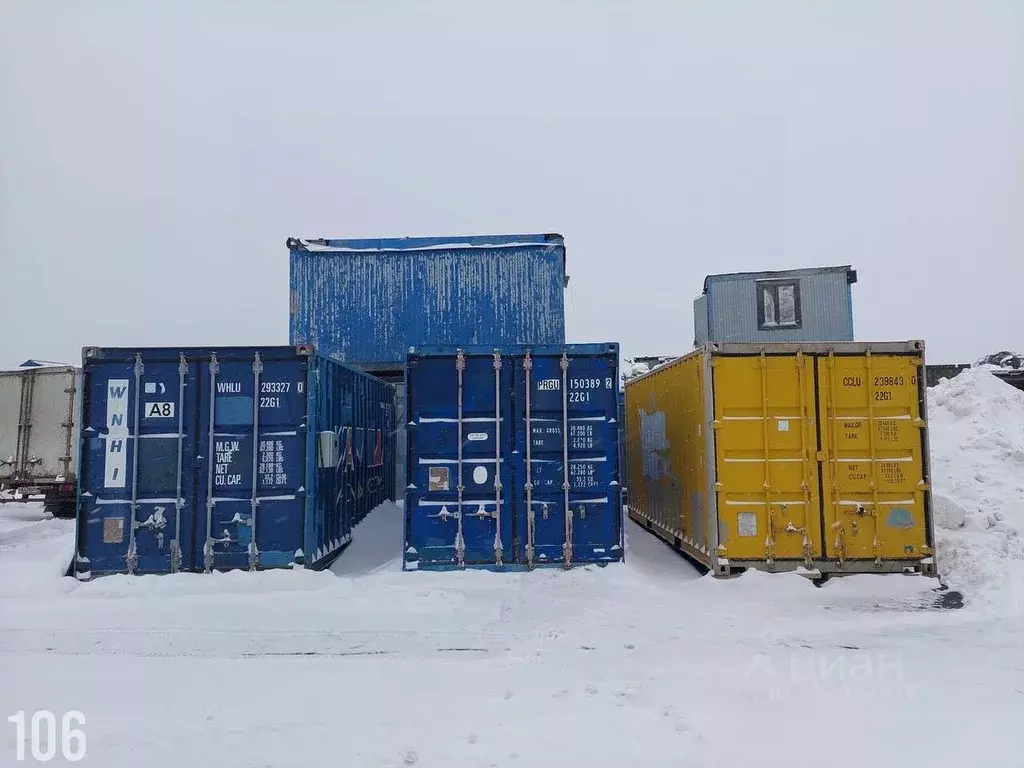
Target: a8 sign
{"points": [[159, 410], [42, 728]]}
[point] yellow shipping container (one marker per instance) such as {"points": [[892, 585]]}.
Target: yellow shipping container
{"points": [[786, 456]]}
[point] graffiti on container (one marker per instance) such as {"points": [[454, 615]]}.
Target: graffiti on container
{"points": [[362, 447], [654, 445]]}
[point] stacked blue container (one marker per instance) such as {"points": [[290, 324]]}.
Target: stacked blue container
{"points": [[368, 301], [500, 486]]}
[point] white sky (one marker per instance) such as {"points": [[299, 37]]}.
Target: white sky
{"points": [[154, 159]]}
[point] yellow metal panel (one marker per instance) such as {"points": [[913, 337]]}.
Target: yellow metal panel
{"points": [[874, 469], [666, 477], [781, 455], [766, 457]]}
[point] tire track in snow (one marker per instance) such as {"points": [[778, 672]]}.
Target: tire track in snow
{"points": [[186, 643]]}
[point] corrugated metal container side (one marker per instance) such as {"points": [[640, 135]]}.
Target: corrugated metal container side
{"points": [[807, 457], [38, 447], [218, 458], [397, 379], [732, 308], [623, 444], [369, 301], [492, 482], [700, 320]]}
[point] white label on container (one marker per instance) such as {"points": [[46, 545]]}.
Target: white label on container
{"points": [[747, 523], [115, 461], [480, 475], [113, 530], [549, 385], [783, 425], [438, 480], [150, 387], [476, 437], [159, 410]]}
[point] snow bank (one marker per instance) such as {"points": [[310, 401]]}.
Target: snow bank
{"points": [[977, 447]]}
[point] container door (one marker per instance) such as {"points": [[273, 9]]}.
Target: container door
{"points": [[49, 429], [766, 454], [139, 439], [400, 441], [252, 467], [333, 508], [459, 415], [873, 469], [12, 409], [569, 489], [36, 415]]}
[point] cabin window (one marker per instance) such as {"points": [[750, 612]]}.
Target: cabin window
{"points": [[778, 305]]}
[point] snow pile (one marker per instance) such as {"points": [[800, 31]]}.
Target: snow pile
{"points": [[633, 369], [977, 447]]}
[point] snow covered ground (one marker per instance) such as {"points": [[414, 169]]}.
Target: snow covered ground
{"points": [[638, 664]]}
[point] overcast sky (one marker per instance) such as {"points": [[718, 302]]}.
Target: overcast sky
{"points": [[154, 160]]}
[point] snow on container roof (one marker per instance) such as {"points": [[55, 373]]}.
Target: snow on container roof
{"points": [[551, 240], [33, 363], [424, 243], [780, 274]]}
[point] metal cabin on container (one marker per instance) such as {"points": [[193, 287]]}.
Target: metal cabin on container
{"points": [[513, 457], [788, 306], [218, 458], [810, 457], [368, 301]]}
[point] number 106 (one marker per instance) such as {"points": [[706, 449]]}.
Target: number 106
{"points": [[43, 732]]}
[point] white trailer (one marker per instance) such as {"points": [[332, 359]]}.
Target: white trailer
{"points": [[39, 405]]}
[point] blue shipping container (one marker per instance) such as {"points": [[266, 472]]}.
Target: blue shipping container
{"points": [[205, 459], [369, 301], [492, 483]]}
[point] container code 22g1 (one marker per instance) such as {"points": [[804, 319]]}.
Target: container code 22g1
{"points": [[580, 389], [275, 388]]}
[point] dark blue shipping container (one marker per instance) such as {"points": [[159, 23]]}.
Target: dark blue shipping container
{"points": [[369, 301], [204, 459], [492, 482]]}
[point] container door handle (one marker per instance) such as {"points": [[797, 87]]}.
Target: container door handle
{"points": [[208, 546], [567, 548], [531, 519], [133, 555]]}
